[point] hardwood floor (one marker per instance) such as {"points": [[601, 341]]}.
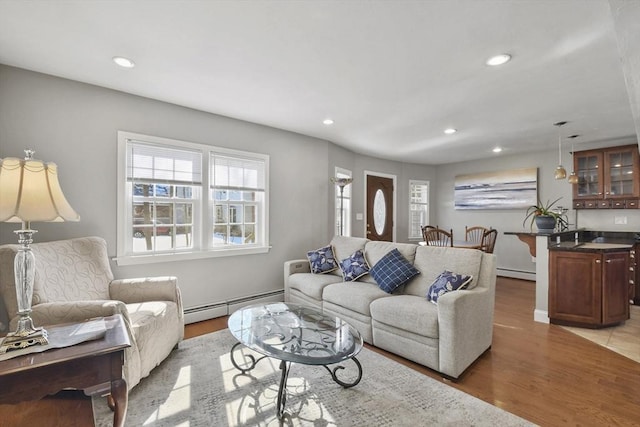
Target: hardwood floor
{"points": [[540, 372]]}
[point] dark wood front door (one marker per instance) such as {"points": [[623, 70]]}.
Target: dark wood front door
{"points": [[379, 208]]}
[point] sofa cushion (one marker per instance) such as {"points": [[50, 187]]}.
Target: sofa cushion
{"points": [[433, 260], [356, 296], [354, 266], [447, 281], [374, 251], [407, 312], [312, 285], [393, 270], [343, 246], [322, 260]]}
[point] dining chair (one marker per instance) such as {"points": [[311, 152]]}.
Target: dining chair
{"points": [[474, 234], [438, 237], [426, 228], [489, 240]]}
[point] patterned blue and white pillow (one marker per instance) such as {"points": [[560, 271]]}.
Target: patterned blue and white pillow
{"points": [[322, 260], [393, 270], [354, 267], [447, 281]]}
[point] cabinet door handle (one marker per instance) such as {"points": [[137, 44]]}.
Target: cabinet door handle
{"points": [[608, 261], [597, 261]]}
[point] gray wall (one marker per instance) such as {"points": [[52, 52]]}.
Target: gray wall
{"points": [[75, 125]]}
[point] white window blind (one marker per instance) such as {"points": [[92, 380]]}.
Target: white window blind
{"points": [[148, 163], [232, 173]]}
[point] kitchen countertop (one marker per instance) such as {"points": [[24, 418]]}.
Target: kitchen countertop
{"points": [[594, 241], [581, 240], [589, 246]]}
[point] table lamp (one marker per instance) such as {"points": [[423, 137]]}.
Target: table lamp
{"points": [[29, 191]]}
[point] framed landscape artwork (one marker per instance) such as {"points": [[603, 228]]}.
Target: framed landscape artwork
{"points": [[510, 189]]}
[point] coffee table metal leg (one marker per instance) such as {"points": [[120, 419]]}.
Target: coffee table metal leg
{"points": [[252, 360], [340, 367], [282, 390]]}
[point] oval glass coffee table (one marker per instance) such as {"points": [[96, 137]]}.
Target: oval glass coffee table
{"points": [[294, 333]]}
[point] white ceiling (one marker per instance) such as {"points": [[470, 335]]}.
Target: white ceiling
{"points": [[392, 74]]}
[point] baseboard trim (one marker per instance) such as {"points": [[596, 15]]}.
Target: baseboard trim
{"points": [[517, 274], [224, 308], [541, 316]]}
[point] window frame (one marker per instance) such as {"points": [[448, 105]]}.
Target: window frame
{"points": [[203, 220], [412, 183]]}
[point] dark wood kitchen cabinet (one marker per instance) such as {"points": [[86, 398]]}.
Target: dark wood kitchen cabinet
{"points": [[608, 178], [589, 289]]}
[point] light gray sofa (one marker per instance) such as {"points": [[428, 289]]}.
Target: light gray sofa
{"points": [[446, 337], [73, 282]]}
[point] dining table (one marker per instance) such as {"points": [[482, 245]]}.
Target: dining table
{"points": [[460, 244]]}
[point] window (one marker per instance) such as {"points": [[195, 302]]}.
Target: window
{"points": [[170, 208], [418, 207], [237, 192], [345, 202]]}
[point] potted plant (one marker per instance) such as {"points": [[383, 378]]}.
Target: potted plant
{"points": [[545, 217]]}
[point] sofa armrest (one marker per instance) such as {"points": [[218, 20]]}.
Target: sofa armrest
{"points": [[52, 313], [465, 320], [296, 266], [292, 267]]}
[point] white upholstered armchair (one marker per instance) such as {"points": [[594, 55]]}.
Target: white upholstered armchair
{"points": [[74, 282]]}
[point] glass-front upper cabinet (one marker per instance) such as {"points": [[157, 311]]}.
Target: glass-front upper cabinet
{"points": [[622, 175], [588, 167], [607, 174]]}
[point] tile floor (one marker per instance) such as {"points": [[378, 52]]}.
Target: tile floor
{"points": [[623, 339]]}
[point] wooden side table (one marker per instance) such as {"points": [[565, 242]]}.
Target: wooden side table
{"points": [[88, 366]]}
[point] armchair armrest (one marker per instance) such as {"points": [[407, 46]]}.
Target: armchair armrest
{"points": [[145, 289], [51, 313]]}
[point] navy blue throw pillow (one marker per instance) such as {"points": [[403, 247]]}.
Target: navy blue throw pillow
{"points": [[354, 267], [447, 282], [322, 260], [392, 271]]}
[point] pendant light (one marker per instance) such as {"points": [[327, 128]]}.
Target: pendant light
{"points": [[573, 178], [561, 172]]}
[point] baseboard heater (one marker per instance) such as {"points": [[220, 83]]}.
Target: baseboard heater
{"points": [[517, 274], [224, 308]]}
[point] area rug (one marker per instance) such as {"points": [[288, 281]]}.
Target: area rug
{"points": [[198, 386]]}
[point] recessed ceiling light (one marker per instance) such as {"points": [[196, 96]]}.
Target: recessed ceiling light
{"points": [[497, 150], [450, 131], [327, 122], [124, 62], [503, 58]]}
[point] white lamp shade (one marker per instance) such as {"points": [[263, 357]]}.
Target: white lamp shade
{"points": [[30, 191]]}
